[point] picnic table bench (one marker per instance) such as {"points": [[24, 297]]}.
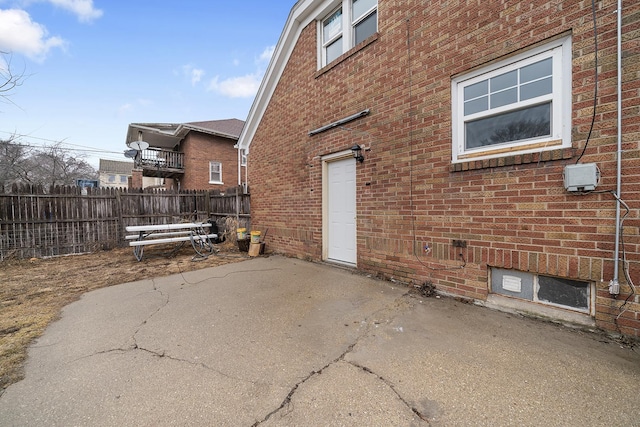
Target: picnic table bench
{"points": [[195, 232]]}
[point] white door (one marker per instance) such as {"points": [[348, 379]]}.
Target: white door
{"points": [[341, 211]]}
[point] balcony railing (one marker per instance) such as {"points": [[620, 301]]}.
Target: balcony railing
{"points": [[160, 163]]}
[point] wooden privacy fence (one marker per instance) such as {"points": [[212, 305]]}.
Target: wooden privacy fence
{"points": [[71, 220]]}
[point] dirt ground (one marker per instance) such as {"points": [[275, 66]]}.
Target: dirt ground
{"points": [[33, 292]]}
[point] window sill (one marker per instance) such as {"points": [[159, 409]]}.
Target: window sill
{"points": [[216, 182], [531, 309], [516, 159], [346, 55]]}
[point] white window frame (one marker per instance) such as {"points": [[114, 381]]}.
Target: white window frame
{"points": [[347, 31], [334, 38], [213, 164], [356, 20], [560, 99]]}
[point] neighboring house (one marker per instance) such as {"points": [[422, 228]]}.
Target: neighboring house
{"points": [[467, 115], [114, 174], [188, 156]]}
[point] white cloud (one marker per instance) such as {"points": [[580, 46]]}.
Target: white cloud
{"points": [[19, 34], [196, 76], [124, 109], [83, 9], [266, 54], [243, 86], [192, 73], [236, 87], [135, 107]]}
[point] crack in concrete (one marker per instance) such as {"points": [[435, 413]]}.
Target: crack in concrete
{"points": [[224, 276], [144, 322], [287, 399], [392, 388], [395, 306], [160, 354], [133, 346], [203, 365], [164, 355]]}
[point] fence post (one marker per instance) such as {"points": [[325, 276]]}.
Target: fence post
{"points": [[238, 205], [120, 224], [207, 203]]}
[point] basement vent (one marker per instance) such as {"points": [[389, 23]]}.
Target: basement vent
{"points": [[555, 291]]}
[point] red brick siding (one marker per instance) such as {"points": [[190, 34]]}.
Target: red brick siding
{"points": [[200, 149], [136, 179], [513, 211]]}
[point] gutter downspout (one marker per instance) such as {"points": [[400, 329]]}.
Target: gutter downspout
{"points": [[237, 146], [239, 184], [246, 175], [614, 285]]}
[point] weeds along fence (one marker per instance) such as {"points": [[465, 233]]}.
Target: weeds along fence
{"points": [[72, 220]]}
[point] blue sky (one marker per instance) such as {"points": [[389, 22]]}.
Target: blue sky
{"points": [[94, 66]]}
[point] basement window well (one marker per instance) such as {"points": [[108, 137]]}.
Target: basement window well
{"points": [[553, 291]]}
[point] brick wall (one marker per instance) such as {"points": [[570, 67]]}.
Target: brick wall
{"points": [[513, 211], [200, 149], [136, 179]]}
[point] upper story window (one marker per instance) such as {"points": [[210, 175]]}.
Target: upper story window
{"points": [[514, 107], [215, 173], [364, 19], [332, 36], [346, 26]]}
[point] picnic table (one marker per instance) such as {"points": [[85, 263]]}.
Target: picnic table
{"points": [[195, 232]]}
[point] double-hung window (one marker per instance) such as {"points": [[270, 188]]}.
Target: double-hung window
{"points": [[332, 36], [513, 107], [346, 26], [215, 173]]}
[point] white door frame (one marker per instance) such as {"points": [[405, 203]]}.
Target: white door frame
{"points": [[342, 155]]}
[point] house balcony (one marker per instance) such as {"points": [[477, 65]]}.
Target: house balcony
{"points": [[160, 163]]}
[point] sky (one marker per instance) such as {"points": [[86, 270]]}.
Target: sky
{"points": [[92, 67]]}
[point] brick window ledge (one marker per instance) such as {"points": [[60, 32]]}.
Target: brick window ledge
{"points": [[366, 42], [516, 159]]}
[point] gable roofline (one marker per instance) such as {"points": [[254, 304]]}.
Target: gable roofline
{"points": [[228, 128], [302, 13], [168, 135]]}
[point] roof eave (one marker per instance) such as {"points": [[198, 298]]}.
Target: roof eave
{"points": [[299, 18], [184, 129], [154, 136], [171, 137]]}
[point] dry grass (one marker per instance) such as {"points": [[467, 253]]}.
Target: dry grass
{"points": [[33, 292]]}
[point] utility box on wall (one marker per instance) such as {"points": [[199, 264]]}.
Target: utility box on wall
{"points": [[581, 177]]}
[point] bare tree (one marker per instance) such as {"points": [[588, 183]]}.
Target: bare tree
{"points": [[14, 162], [53, 166], [9, 78], [46, 167], [23, 164]]}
